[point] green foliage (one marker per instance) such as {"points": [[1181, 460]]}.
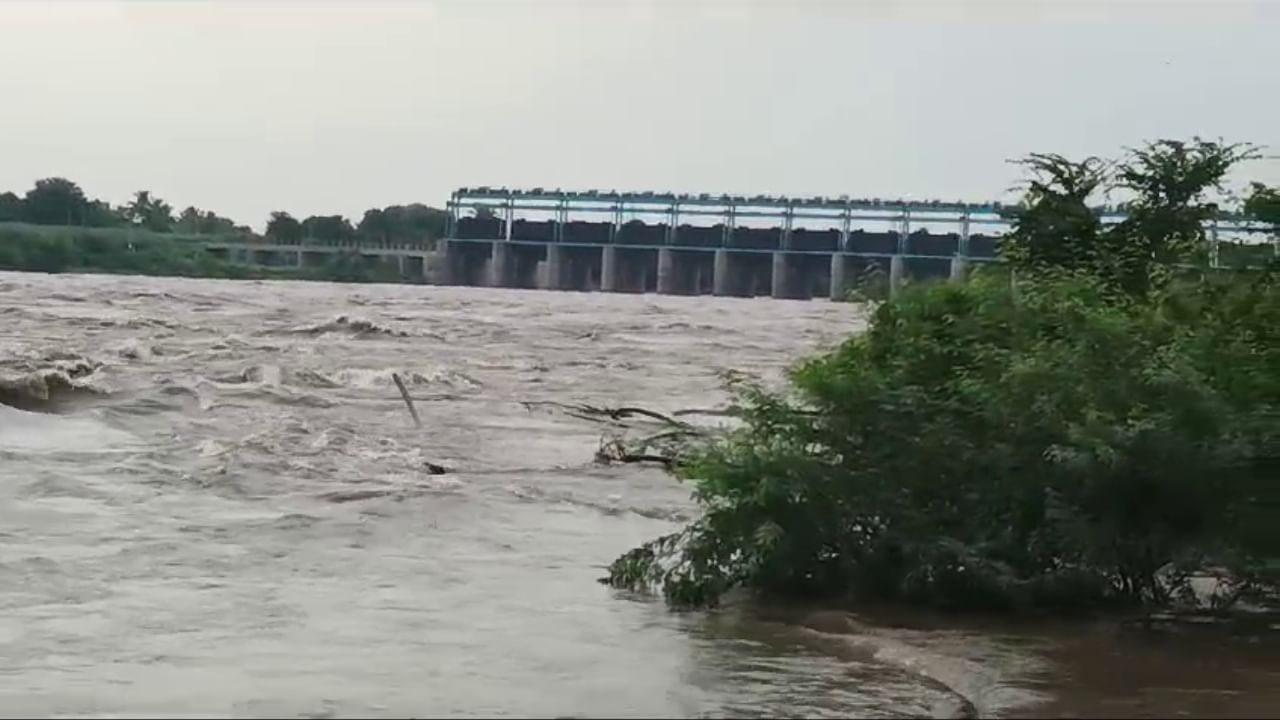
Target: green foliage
{"points": [[284, 228], [402, 224], [1087, 435], [55, 201], [71, 249], [194, 221], [132, 250], [1263, 204], [149, 212], [869, 285], [99, 214], [11, 208], [353, 267], [1061, 445], [328, 229], [1168, 181], [58, 202]]}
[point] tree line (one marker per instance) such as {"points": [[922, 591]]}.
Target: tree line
{"points": [[57, 201]]}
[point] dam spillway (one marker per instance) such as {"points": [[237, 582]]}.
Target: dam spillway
{"points": [[695, 245]]}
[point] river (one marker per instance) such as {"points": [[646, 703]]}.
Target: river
{"points": [[213, 502]]}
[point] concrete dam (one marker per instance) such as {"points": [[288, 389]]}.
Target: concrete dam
{"points": [[745, 247], [761, 246], [756, 263]]}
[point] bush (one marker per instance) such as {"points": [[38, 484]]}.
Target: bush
{"points": [[979, 447], [1088, 435]]}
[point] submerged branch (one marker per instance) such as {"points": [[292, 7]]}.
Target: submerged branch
{"points": [[595, 413], [431, 468], [408, 401]]}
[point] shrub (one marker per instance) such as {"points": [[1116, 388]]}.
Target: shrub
{"points": [[1089, 434]]}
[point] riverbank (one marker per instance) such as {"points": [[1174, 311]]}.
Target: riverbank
{"points": [[125, 251]]}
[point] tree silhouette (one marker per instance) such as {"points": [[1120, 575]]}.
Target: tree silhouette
{"points": [[285, 228], [55, 201]]}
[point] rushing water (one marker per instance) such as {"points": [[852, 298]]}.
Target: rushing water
{"points": [[213, 502]]}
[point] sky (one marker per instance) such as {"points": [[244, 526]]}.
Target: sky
{"points": [[333, 107]]}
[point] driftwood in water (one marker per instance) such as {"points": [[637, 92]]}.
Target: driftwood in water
{"points": [[431, 468], [614, 450], [663, 448], [408, 401], [592, 412]]}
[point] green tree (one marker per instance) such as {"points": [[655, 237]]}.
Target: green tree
{"points": [[328, 229], [200, 222], [375, 226], [11, 209], [100, 214], [150, 212], [1168, 183], [284, 228], [1263, 204], [55, 201], [402, 224], [414, 223]]}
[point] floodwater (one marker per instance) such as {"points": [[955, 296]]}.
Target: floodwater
{"points": [[213, 502]]}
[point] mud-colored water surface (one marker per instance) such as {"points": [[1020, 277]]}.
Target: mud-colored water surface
{"points": [[213, 502]]}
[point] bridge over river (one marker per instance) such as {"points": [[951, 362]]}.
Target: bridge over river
{"points": [[702, 244]]}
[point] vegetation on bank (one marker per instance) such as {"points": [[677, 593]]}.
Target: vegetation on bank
{"points": [[1094, 428], [55, 227], [61, 202], [54, 249]]}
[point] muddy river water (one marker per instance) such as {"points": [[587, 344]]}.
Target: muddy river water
{"points": [[214, 503]]}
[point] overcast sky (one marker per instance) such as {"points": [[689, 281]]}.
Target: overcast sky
{"points": [[333, 107]]}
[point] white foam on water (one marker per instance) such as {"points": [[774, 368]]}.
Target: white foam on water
{"points": [[29, 432]]}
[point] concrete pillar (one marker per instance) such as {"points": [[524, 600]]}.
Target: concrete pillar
{"points": [[400, 264], [666, 271], [839, 287], [500, 265], [446, 258], [414, 266], [552, 268], [959, 269], [721, 280], [609, 268], [780, 266], [435, 265], [897, 273]]}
